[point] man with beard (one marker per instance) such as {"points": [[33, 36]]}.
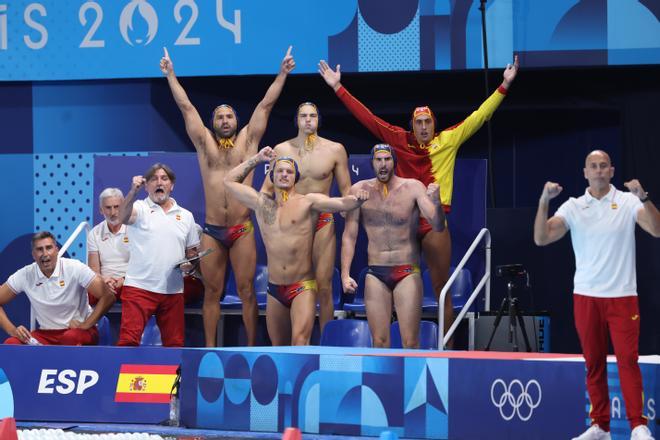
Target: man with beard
{"points": [[427, 156], [602, 224], [390, 218], [108, 250], [286, 220], [319, 160], [107, 243], [162, 234], [57, 290], [228, 229]]}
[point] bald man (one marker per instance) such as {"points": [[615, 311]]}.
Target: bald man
{"points": [[602, 225]]}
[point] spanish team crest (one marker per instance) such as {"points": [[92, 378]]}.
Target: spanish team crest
{"points": [[138, 383], [125, 239], [61, 283], [178, 217]]}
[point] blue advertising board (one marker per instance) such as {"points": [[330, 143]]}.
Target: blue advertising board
{"points": [[91, 384], [100, 39]]}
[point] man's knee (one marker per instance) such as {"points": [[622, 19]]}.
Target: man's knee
{"points": [[245, 288], [410, 343], [212, 294]]}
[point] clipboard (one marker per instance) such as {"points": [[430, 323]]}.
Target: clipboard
{"points": [[204, 253]]}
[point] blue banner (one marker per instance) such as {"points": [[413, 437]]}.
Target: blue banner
{"points": [[86, 384], [95, 39]]}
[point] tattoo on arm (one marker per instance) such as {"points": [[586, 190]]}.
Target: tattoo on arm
{"points": [[268, 210], [246, 170]]}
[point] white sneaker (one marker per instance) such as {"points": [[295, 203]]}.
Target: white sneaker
{"points": [[641, 432], [595, 433]]}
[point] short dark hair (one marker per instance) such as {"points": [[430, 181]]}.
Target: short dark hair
{"points": [[159, 166], [41, 235]]}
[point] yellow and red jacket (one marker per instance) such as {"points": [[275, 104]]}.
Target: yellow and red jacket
{"points": [[431, 163]]}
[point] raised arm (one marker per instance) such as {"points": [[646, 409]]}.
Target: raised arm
{"points": [[648, 217], [548, 230], [510, 72], [194, 124], [127, 213], [430, 205], [323, 203], [461, 132], [259, 119], [245, 194], [348, 239], [383, 130]]}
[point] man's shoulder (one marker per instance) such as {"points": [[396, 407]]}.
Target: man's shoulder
{"points": [[25, 270], [364, 184], [331, 145], [284, 146]]}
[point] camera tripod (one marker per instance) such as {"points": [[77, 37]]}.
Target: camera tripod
{"points": [[515, 319]]}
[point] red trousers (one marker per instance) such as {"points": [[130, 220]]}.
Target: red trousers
{"points": [[68, 336], [193, 290], [137, 306], [594, 318]]}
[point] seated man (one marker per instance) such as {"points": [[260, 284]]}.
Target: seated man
{"points": [[162, 235], [108, 249], [107, 243], [57, 289], [286, 220], [390, 218]]}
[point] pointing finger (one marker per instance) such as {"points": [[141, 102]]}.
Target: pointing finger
{"points": [[167, 55], [288, 52]]}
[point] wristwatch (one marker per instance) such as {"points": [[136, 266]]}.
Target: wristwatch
{"points": [[645, 198]]}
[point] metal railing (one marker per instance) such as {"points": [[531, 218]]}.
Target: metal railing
{"points": [[63, 249], [72, 238], [484, 234]]}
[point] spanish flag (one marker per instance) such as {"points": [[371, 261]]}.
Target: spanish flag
{"points": [[145, 383]]}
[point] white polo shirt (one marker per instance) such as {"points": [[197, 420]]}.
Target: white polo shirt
{"points": [[158, 240], [58, 299], [603, 237], [113, 249]]}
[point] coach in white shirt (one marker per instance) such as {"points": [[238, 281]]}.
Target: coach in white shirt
{"points": [[57, 289], [161, 234], [602, 225], [107, 243]]}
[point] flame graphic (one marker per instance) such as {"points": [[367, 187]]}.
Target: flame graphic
{"points": [[148, 14]]}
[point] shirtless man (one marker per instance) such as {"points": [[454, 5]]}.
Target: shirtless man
{"points": [[427, 154], [391, 217], [286, 220], [320, 160], [228, 229]]}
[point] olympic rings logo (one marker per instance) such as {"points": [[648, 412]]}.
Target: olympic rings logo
{"points": [[515, 399]]}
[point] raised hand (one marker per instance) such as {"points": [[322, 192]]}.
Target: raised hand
{"points": [[266, 154], [433, 192], [550, 191], [288, 63], [331, 77], [636, 188], [510, 72], [349, 285], [166, 65], [138, 182]]}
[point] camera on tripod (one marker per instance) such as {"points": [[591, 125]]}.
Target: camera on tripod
{"points": [[511, 272]]}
